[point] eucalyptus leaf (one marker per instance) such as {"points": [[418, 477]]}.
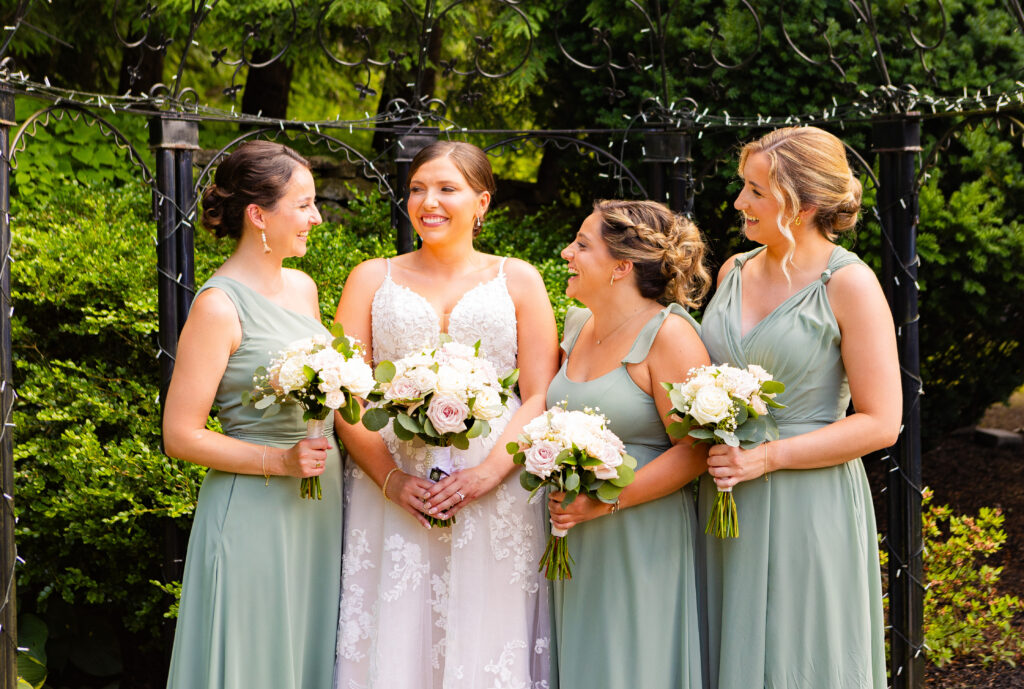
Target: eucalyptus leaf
{"points": [[384, 372], [272, 410], [408, 423], [480, 428], [608, 492], [375, 419], [572, 481], [512, 447], [679, 429], [460, 441], [264, 402]]}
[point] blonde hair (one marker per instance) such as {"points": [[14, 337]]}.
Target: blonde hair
{"points": [[666, 249], [808, 167]]}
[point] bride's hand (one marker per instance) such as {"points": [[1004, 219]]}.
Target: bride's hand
{"points": [[407, 491], [448, 496], [582, 509]]}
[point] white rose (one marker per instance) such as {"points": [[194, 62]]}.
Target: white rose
{"points": [[711, 405], [487, 405], [452, 382], [541, 456], [447, 413], [457, 350], [334, 399], [611, 457], [758, 405], [291, 375], [759, 373], [402, 389], [423, 378], [738, 383], [537, 429], [356, 376]]}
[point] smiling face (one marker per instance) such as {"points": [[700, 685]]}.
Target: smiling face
{"points": [[590, 262], [288, 222], [442, 204], [760, 209]]}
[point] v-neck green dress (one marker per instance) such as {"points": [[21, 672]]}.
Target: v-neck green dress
{"points": [[259, 602], [629, 615], [795, 602]]}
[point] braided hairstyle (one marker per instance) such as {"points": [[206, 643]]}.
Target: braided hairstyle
{"points": [[256, 172], [666, 249]]}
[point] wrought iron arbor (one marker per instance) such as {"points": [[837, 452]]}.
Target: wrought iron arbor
{"points": [[449, 53]]}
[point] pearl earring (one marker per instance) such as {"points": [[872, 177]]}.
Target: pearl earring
{"points": [[266, 247]]}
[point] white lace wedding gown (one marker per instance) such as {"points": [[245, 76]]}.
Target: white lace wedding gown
{"points": [[458, 608]]}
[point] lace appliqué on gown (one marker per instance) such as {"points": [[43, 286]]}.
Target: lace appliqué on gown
{"points": [[459, 608]]}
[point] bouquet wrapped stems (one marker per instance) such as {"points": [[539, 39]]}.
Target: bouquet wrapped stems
{"points": [[441, 466], [556, 563], [309, 487], [723, 521]]}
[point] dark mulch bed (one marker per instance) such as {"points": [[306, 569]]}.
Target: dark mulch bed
{"points": [[966, 476]]}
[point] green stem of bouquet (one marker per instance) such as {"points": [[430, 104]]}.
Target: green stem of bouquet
{"points": [[723, 522], [557, 562], [310, 488]]}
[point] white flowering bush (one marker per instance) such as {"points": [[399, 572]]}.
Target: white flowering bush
{"points": [[725, 405], [574, 452]]}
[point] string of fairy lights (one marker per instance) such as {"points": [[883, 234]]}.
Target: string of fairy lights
{"points": [[94, 109]]}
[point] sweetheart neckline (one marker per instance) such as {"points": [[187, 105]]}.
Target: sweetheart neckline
{"points": [[430, 307]]}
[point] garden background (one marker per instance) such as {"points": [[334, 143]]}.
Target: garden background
{"points": [[95, 497]]}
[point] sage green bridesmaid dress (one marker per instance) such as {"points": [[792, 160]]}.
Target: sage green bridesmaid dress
{"points": [[259, 600], [795, 602], [629, 616]]}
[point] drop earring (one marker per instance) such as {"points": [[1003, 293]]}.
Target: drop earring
{"points": [[611, 280], [266, 247], [798, 221]]}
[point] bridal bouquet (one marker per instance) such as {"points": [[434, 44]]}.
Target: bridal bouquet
{"points": [[574, 452], [444, 396], [320, 375], [725, 405]]}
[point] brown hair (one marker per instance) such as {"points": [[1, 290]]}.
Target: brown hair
{"points": [[808, 167], [666, 249], [256, 172], [468, 159]]}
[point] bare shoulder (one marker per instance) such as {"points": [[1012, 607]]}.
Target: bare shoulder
{"points": [[727, 265], [675, 333], [518, 269], [300, 281], [213, 307], [370, 271], [852, 285]]}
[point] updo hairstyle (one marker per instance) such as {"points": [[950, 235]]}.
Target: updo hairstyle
{"points": [[808, 167], [256, 172], [666, 249], [470, 161]]}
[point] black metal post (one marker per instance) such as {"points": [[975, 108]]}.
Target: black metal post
{"points": [[671, 151], [408, 146], [174, 140], [897, 144], [8, 549]]}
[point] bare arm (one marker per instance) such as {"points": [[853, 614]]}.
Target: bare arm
{"points": [[872, 366], [538, 362], [676, 349], [364, 446], [211, 334]]}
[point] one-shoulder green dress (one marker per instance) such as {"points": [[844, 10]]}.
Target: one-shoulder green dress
{"points": [[629, 615], [795, 602], [259, 600]]}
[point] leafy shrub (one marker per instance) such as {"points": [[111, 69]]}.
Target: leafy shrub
{"points": [[964, 613]]}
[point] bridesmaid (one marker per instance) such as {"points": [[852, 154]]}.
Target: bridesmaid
{"points": [[796, 600], [629, 615], [260, 590]]}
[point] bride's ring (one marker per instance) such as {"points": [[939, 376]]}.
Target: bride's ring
{"points": [[461, 496]]}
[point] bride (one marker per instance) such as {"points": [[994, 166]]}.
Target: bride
{"points": [[444, 608]]}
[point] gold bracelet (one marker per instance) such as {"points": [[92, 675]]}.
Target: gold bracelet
{"points": [[384, 486], [765, 461], [615, 506], [263, 463]]}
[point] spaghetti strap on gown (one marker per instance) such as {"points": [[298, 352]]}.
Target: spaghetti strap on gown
{"points": [[795, 602], [446, 608], [261, 574], [629, 615]]}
